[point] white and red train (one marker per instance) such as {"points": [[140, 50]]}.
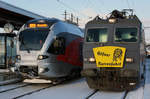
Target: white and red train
{"points": [[49, 49]]}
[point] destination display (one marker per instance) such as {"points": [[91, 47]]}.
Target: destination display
{"points": [[33, 25], [109, 56]]}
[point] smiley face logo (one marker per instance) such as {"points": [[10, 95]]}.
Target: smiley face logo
{"points": [[117, 54]]}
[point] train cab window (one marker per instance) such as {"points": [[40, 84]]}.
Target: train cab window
{"points": [[57, 47], [126, 35], [33, 39], [97, 35]]}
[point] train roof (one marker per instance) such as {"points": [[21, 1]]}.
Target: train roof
{"points": [[119, 17], [45, 20], [48, 20], [51, 21]]}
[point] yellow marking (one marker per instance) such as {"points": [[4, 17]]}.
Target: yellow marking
{"points": [[37, 25], [109, 56], [32, 25], [42, 25]]}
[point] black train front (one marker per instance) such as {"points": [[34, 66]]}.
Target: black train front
{"points": [[114, 52]]}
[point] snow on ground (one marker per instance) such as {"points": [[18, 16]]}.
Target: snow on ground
{"points": [[7, 87], [36, 81], [108, 95], [20, 91], [147, 91], [136, 94], [147, 81], [75, 90]]}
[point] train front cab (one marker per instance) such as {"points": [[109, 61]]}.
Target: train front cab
{"points": [[120, 33], [48, 52]]}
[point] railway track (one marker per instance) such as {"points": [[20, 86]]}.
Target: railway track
{"points": [[90, 95], [21, 90], [3, 90], [138, 93], [77, 89], [133, 94], [107, 95], [74, 89], [34, 91], [25, 89]]}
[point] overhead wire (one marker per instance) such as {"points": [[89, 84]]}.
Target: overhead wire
{"points": [[98, 7], [128, 4], [132, 4], [81, 15], [93, 5], [101, 5], [85, 4], [75, 11]]}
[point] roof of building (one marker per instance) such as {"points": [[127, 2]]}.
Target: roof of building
{"points": [[15, 15]]}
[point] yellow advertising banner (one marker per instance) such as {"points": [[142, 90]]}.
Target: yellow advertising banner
{"points": [[109, 56]]}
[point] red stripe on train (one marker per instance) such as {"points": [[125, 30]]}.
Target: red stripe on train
{"points": [[72, 53]]}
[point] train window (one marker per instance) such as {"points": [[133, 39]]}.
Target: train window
{"points": [[57, 47], [126, 35], [32, 39], [97, 35]]}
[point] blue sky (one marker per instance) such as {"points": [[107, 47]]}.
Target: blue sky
{"points": [[84, 8]]}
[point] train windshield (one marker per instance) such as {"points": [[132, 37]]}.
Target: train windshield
{"points": [[126, 35], [97, 35], [32, 39]]}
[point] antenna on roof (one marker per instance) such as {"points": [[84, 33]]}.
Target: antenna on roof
{"points": [[128, 10]]}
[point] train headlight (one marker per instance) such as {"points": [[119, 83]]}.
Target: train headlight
{"points": [[112, 20], [18, 57], [132, 84], [85, 59], [92, 59], [41, 70], [129, 60], [40, 57]]}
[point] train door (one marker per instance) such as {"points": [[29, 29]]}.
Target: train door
{"points": [[2, 52], [10, 51], [7, 50]]}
